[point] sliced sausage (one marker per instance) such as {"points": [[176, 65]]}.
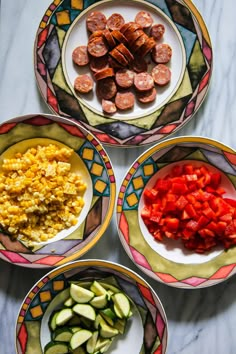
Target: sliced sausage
{"points": [[97, 47], [109, 38], [97, 64], [95, 34], [139, 65], [118, 56], [95, 21], [124, 100], [138, 43], [146, 47], [147, 96], [125, 27], [104, 73], [157, 31], [125, 51], [119, 37], [143, 81], [161, 53], [115, 22], [125, 78], [114, 63], [80, 55], [161, 74], [108, 106], [144, 19], [134, 36], [106, 88], [131, 28], [83, 83]]}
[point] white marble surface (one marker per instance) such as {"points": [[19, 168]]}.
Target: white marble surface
{"points": [[200, 321]]}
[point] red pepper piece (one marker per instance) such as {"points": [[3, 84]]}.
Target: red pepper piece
{"points": [[179, 188], [181, 202]]}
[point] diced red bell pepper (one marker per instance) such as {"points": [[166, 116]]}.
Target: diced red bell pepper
{"points": [[172, 224], [188, 169], [146, 212], [190, 211], [163, 185], [179, 188], [181, 202], [215, 180], [192, 225]]}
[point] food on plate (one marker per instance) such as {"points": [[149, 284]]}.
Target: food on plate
{"points": [[40, 196], [115, 22], [157, 31], [124, 100], [80, 55], [188, 204], [144, 19], [96, 21], [83, 83], [123, 55], [161, 74], [92, 316], [161, 53]]}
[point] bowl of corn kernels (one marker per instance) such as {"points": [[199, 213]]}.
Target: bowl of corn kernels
{"points": [[57, 190]]}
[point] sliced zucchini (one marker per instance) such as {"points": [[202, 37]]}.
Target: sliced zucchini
{"points": [[107, 331], [80, 294], [69, 302], [106, 347], [97, 321], [75, 329], [110, 287], [120, 324], [122, 304], [55, 348], [118, 312], [52, 321], [85, 310], [79, 338], [97, 288], [79, 350], [86, 323], [64, 316], [91, 343], [101, 343], [99, 301], [108, 315], [63, 334], [74, 321]]}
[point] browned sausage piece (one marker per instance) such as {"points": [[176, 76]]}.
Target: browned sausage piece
{"points": [[106, 88], [97, 64], [157, 31], [95, 21], [146, 47], [161, 53], [144, 19], [115, 22], [124, 100], [147, 96], [83, 83], [113, 63], [102, 74], [138, 43], [132, 28], [143, 81], [97, 47], [80, 55], [108, 106], [139, 65], [95, 34], [125, 78], [125, 27], [161, 74], [119, 37], [118, 56], [134, 36], [109, 38], [125, 51]]}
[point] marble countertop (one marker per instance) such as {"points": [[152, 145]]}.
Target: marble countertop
{"points": [[201, 320]]}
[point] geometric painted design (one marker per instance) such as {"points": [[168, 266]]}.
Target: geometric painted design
{"points": [[158, 125], [98, 166], [145, 300], [141, 253]]}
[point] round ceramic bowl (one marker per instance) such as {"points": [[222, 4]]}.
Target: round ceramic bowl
{"points": [[146, 330], [169, 261], [89, 160]]}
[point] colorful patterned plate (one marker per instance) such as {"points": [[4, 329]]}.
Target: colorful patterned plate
{"points": [[147, 330], [191, 67], [168, 262], [94, 166]]}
